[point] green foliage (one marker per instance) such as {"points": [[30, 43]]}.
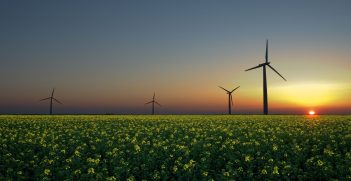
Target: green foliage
{"points": [[175, 147]]}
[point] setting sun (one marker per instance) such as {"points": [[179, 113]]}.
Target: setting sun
{"points": [[311, 112]]}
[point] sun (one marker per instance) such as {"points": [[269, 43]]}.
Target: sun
{"points": [[311, 112]]}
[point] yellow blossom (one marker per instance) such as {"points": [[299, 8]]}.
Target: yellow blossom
{"points": [[91, 171], [264, 172], [276, 170], [47, 171]]}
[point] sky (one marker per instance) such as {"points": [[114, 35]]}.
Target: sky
{"points": [[111, 56]]}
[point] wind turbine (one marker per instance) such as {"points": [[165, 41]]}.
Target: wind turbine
{"points": [[153, 104], [265, 95], [51, 100], [230, 98]]}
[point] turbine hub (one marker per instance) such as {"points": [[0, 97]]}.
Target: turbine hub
{"points": [[264, 64]]}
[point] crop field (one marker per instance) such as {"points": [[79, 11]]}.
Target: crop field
{"points": [[175, 147]]}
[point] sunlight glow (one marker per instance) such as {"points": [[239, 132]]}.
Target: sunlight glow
{"points": [[309, 94], [311, 112]]}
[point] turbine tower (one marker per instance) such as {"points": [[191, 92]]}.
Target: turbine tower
{"points": [[230, 98], [153, 104], [51, 100], [263, 65]]}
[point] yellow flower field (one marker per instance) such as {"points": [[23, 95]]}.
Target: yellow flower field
{"points": [[179, 147]]}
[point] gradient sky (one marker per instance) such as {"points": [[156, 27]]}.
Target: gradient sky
{"points": [[110, 56]]}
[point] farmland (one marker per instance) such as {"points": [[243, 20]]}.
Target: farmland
{"points": [[169, 147]]}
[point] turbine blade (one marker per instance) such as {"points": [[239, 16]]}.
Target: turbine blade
{"points": [[223, 88], [154, 96], [57, 101], [52, 93], [258, 66], [276, 72], [44, 99], [235, 89], [158, 103], [266, 51], [149, 102]]}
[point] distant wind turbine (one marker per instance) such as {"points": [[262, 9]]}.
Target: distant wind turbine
{"points": [[230, 98], [265, 95], [153, 102], [51, 100]]}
